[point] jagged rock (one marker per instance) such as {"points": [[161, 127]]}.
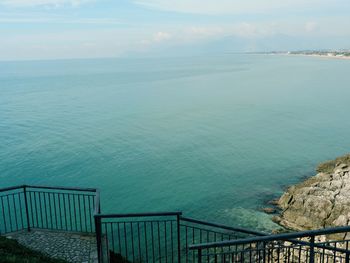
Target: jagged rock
{"points": [[269, 210], [273, 202], [320, 201]]}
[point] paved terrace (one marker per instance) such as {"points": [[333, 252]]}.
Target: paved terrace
{"points": [[72, 247]]}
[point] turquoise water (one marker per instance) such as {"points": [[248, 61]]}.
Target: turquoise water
{"points": [[215, 137]]}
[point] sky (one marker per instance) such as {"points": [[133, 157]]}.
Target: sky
{"points": [[63, 29]]}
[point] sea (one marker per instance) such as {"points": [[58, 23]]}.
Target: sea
{"points": [[213, 136]]}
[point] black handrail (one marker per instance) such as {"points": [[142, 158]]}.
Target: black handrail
{"points": [[12, 188], [138, 215], [282, 237], [235, 229], [78, 189]]}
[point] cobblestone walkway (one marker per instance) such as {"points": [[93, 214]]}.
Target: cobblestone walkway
{"points": [[72, 247]]}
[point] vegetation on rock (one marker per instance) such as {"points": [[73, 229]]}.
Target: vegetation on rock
{"points": [[328, 166]]}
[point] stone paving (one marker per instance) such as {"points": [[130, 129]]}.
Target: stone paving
{"points": [[72, 247]]}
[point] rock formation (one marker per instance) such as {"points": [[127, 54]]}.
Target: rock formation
{"points": [[320, 201]]}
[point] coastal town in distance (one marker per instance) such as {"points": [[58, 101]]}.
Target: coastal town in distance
{"points": [[345, 54]]}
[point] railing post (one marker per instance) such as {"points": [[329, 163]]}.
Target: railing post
{"points": [[26, 206], [264, 252], [178, 238], [199, 255], [347, 257], [98, 229], [312, 249]]}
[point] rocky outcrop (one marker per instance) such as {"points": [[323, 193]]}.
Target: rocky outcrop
{"points": [[320, 201]]}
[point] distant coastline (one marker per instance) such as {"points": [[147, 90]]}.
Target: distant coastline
{"points": [[330, 55], [343, 54]]}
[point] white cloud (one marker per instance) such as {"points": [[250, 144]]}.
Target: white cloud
{"points": [[69, 44], [234, 6], [44, 3], [161, 36], [60, 20], [311, 26]]}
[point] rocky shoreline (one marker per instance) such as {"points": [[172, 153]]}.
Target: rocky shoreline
{"points": [[321, 201]]}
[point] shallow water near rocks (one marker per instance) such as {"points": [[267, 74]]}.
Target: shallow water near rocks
{"points": [[215, 136]]}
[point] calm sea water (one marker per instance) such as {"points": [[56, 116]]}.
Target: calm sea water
{"points": [[215, 137]]}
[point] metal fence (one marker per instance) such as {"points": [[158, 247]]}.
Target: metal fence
{"points": [[54, 208], [290, 247], [158, 237], [161, 237], [149, 237]]}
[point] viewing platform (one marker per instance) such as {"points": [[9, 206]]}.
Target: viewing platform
{"points": [[70, 246], [67, 223]]}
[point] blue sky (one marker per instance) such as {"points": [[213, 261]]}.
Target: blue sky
{"points": [[50, 29]]}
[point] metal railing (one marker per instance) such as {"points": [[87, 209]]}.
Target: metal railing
{"points": [[289, 247], [147, 237], [56, 208], [158, 237], [161, 237]]}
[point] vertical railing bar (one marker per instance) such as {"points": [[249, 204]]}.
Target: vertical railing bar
{"points": [[242, 255], [55, 210], [199, 256], [45, 205], [50, 210], [60, 210], [172, 242], [125, 241], [41, 210], [21, 209], [165, 243], [186, 242], [146, 247], [3, 213], [250, 252], [312, 250], [89, 205], [75, 213], [31, 207], [160, 254], [85, 213], [208, 235], [153, 254], [139, 240], [65, 211], [70, 211], [32, 194], [26, 207], [335, 253], [119, 241], [132, 242], [9, 212], [79, 209], [193, 242], [15, 210], [106, 234], [112, 233], [215, 241], [178, 238]]}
